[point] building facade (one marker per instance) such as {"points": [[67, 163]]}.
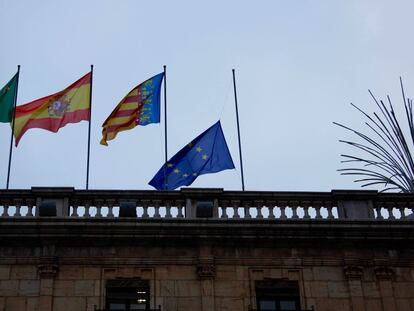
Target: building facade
{"points": [[205, 249]]}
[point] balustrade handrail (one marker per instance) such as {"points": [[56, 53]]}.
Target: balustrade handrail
{"points": [[350, 204]]}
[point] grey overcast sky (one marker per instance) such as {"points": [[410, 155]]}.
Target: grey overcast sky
{"points": [[299, 64]]}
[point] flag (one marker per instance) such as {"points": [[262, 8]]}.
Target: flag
{"points": [[208, 153], [141, 106], [7, 99], [52, 112]]}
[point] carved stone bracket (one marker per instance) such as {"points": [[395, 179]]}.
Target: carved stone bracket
{"points": [[353, 272], [48, 267], [384, 273], [206, 268]]}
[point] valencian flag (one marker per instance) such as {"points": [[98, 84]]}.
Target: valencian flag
{"points": [[208, 153], [7, 99], [141, 106], [52, 112]]}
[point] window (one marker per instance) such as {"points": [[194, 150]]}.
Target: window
{"points": [[277, 295], [127, 295]]}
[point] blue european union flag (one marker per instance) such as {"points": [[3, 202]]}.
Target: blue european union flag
{"points": [[208, 153]]}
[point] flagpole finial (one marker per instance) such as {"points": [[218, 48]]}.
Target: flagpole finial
{"points": [[18, 67], [91, 66]]}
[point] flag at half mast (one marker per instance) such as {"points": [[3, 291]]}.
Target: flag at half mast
{"points": [[52, 112], [141, 106], [207, 153]]}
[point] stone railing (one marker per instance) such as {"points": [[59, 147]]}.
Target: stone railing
{"points": [[190, 203]]}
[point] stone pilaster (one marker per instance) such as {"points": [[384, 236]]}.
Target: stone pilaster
{"points": [[47, 270], [385, 276], [206, 272], [354, 275]]}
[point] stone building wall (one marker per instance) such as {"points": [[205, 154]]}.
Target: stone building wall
{"points": [[206, 277]]}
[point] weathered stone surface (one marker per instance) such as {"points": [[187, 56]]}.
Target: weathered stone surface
{"points": [[167, 288], [64, 288], [9, 288], [319, 289], [228, 304], [84, 288], [333, 304], [188, 303], [91, 302], [403, 304], [187, 288], [29, 288], [23, 272], [404, 289], [91, 273], [16, 304], [229, 289], [70, 273], [338, 290], [225, 272], [4, 272], [370, 290], [373, 304], [33, 304], [327, 274], [69, 303]]}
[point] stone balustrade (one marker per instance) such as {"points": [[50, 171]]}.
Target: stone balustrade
{"points": [[190, 203]]}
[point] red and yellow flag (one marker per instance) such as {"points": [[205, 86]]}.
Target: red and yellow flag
{"points": [[141, 106], [52, 112]]}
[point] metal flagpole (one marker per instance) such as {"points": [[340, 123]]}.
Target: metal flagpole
{"points": [[238, 129], [11, 137], [89, 131], [165, 128]]}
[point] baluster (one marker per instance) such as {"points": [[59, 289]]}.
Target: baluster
{"points": [[145, 204], [18, 205], [401, 206], [180, 204], [329, 206], [6, 210], [235, 206], [98, 206], [110, 204], [87, 209], [75, 208], [157, 204], [294, 205], [379, 215], [282, 205], [271, 206], [410, 206], [317, 206], [259, 205], [306, 206], [390, 207], [246, 207], [168, 209], [30, 204], [224, 205]]}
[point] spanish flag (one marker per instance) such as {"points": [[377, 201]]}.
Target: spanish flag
{"points": [[52, 112], [141, 106]]}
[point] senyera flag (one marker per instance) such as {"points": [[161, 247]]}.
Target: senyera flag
{"points": [[52, 112], [141, 106]]}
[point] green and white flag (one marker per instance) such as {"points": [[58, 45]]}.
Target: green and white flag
{"points": [[7, 98]]}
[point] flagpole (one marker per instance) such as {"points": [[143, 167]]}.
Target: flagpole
{"points": [[89, 131], [238, 129], [165, 128], [11, 137]]}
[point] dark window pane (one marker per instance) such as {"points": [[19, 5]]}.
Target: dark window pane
{"points": [[117, 306], [287, 305], [267, 305]]}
